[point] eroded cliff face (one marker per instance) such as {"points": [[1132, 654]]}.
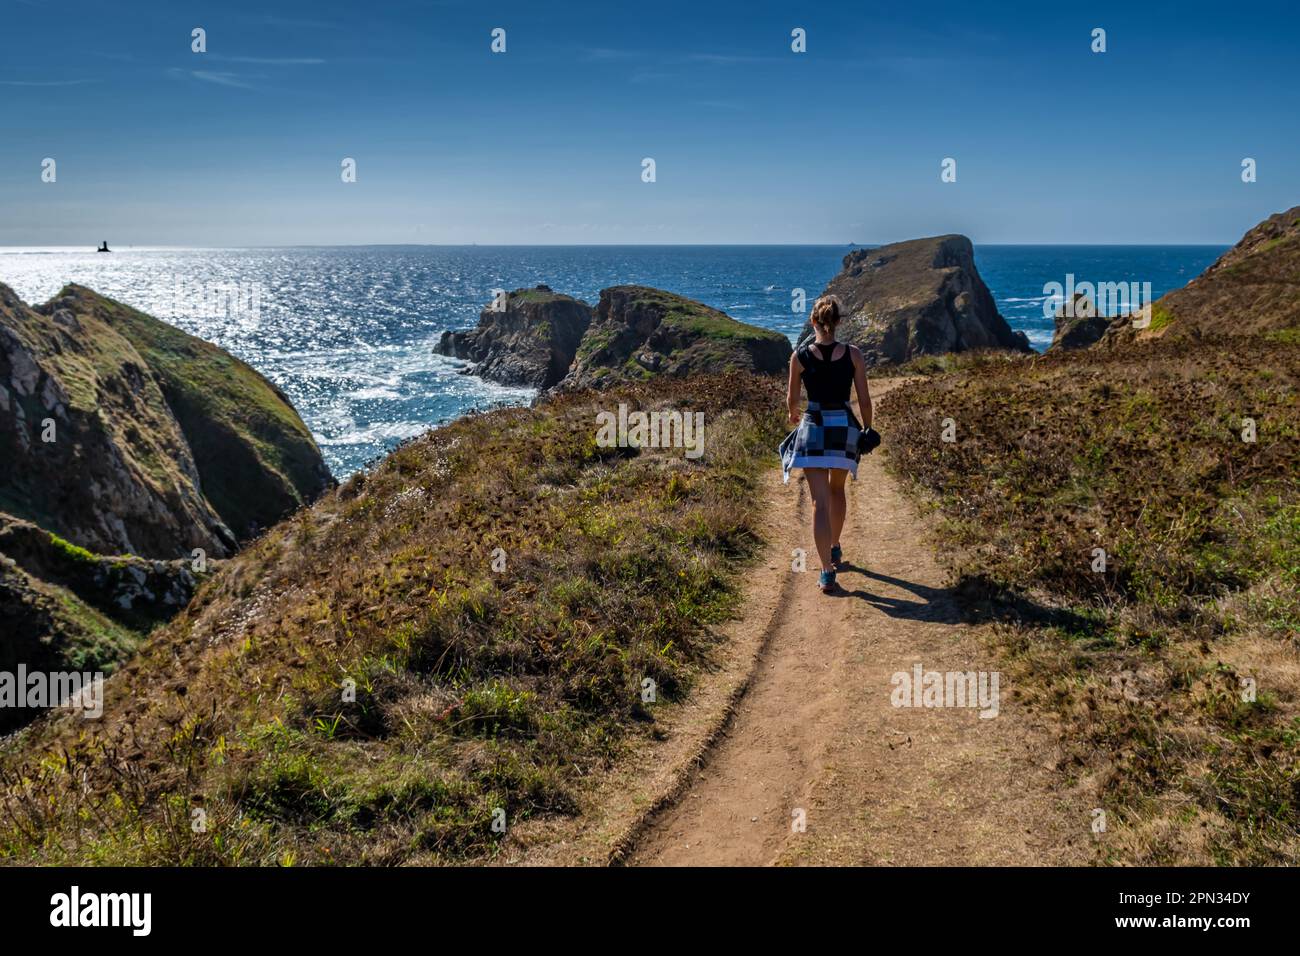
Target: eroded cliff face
{"points": [[920, 297], [531, 339], [1252, 289], [639, 332], [64, 609], [90, 447], [126, 446], [256, 459], [137, 592]]}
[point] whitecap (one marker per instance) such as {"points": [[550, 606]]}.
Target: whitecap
{"points": [[379, 433]]}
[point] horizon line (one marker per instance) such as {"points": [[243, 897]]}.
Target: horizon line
{"points": [[597, 245]]}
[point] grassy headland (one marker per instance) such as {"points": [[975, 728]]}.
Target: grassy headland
{"points": [[476, 689]]}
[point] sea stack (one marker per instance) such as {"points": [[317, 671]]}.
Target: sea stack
{"points": [[528, 337], [920, 297], [639, 332]]}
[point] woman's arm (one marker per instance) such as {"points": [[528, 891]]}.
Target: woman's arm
{"points": [[860, 383], [792, 390]]}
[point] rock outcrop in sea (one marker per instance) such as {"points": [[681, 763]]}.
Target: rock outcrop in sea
{"points": [[529, 337], [919, 297], [1078, 324], [639, 332]]}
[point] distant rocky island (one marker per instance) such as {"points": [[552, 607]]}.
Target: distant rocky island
{"points": [[550, 341], [638, 332], [527, 337], [904, 300]]}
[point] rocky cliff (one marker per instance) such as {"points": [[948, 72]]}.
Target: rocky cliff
{"points": [[127, 436], [91, 449], [125, 445], [136, 592], [920, 297], [530, 339], [1252, 289], [63, 608], [257, 460], [639, 332]]}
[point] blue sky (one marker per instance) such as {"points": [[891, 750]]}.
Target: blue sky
{"points": [[752, 142]]}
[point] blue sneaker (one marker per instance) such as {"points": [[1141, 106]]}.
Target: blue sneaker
{"points": [[837, 555], [826, 582]]}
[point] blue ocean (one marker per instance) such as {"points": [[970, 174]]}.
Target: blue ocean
{"points": [[348, 332]]}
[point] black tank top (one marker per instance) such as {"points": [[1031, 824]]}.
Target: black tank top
{"points": [[827, 380]]}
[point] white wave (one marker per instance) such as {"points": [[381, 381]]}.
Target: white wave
{"points": [[375, 394], [374, 434]]}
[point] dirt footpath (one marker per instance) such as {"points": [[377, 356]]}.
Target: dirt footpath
{"points": [[816, 765]]}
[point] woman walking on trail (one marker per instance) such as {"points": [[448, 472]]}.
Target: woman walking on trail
{"points": [[825, 444]]}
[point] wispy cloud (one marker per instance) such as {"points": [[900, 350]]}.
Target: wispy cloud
{"points": [[608, 53], [237, 80], [272, 20], [270, 60], [726, 59], [45, 82], [223, 79], [652, 64], [718, 59]]}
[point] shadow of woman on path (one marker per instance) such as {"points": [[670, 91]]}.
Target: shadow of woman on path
{"points": [[972, 600], [936, 605]]}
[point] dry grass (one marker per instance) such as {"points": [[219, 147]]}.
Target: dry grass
{"points": [[1140, 453]]}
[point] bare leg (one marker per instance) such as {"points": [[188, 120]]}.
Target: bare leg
{"points": [[839, 503], [819, 486]]}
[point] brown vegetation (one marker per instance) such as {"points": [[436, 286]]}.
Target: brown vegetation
{"points": [[475, 690], [1147, 664]]}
